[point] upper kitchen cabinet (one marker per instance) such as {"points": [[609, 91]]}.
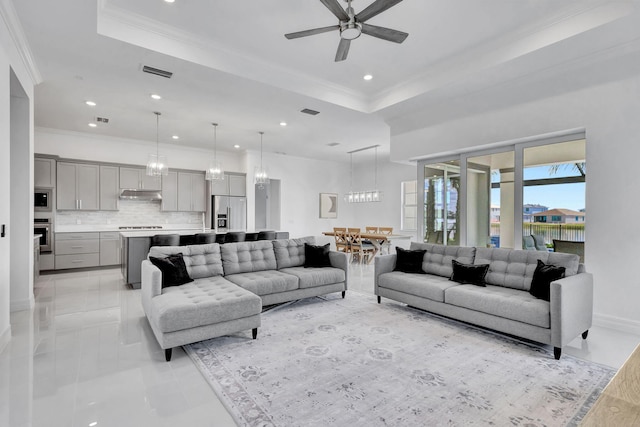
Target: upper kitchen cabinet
{"points": [[78, 186], [44, 172], [232, 185], [109, 188], [191, 192], [137, 179], [170, 192]]}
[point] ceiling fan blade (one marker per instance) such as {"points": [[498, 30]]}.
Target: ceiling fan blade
{"points": [[375, 8], [336, 9], [343, 50], [311, 32], [384, 33]]}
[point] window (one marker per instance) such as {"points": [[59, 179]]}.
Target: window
{"points": [[409, 220], [556, 218]]}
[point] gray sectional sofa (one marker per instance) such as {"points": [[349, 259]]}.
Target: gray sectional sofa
{"points": [[231, 283], [504, 304]]}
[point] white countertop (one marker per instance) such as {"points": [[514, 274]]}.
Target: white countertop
{"points": [[88, 228], [149, 233]]}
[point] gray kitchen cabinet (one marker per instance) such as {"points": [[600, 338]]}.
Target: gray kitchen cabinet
{"points": [[232, 185], [77, 250], [109, 248], [137, 179], [44, 172], [78, 186], [109, 188], [191, 192], [170, 192]]}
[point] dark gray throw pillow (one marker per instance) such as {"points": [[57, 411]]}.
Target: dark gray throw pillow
{"points": [[409, 261], [469, 273], [174, 270], [542, 278], [316, 256]]}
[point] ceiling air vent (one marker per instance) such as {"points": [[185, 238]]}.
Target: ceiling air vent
{"points": [[333, 144], [157, 71], [102, 120], [309, 111]]}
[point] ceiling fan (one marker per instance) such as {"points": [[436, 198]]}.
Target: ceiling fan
{"points": [[351, 25]]}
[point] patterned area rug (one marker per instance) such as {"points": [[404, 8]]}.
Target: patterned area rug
{"points": [[352, 362]]}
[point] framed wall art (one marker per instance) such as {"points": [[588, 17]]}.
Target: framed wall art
{"points": [[328, 205]]}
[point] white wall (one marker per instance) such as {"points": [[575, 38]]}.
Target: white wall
{"points": [[609, 114]]}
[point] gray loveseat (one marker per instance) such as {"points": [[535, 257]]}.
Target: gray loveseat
{"points": [[231, 283], [505, 304]]}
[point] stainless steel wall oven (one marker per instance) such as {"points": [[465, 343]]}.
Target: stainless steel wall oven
{"points": [[42, 226]]}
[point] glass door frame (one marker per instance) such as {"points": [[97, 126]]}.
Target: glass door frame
{"points": [[518, 148]]}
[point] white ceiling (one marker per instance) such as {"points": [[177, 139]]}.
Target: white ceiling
{"points": [[233, 65]]}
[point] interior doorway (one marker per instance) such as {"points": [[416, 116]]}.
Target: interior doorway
{"points": [[267, 202]]}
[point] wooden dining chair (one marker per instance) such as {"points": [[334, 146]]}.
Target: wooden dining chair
{"points": [[359, 249], [387, 231], [371, 229], [342, 240]]}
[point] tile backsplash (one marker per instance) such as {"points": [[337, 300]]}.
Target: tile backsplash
{"points": [[132, 212]]}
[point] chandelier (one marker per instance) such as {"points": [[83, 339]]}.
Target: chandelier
{"points": [[261, 176], [366, 195]]}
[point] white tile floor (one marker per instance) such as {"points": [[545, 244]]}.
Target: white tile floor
{"points": [[86, 356]]}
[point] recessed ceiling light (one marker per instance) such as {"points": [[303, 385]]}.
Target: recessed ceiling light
{"points": [[169, 1], [283, 123], [155, 96], [236, 146], [368, 77], [90, 103], [93, 424], [93, 125], [175, 137]]}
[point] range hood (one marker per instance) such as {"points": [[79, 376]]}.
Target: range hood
{"points": [[146, 195]]}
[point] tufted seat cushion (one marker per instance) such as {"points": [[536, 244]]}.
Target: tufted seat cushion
{"points": [[265, 282], [316, 276], [502, 302], [290, 252], [422, 285], [201, 260], [438, 258], [514, 268], [202, 302], [245, 257]]}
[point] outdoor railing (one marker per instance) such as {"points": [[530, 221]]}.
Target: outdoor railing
{"points": [[572, 232]]}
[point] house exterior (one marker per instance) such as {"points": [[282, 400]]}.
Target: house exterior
{"points": [[530, 210], [560, 216]]}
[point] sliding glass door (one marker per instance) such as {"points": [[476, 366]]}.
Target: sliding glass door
{"points": [[441, 213]]}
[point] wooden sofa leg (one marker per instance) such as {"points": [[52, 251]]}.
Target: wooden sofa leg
{"points": [[167, 354], [343, 294], [379, 299], [254, 332], [584, 334], [557, 352]]}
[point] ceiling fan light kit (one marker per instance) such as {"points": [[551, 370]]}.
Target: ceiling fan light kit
{"points": [[352, 25]]}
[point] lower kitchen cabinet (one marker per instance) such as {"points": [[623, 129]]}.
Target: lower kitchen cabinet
{"points": [[77, 250], [109, 248]]}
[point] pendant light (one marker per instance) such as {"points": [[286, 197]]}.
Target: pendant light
{"points": [[261, 176], [215, 172], [157, 164], [369, 195]]}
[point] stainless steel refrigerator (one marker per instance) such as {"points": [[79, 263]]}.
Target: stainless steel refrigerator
{"points": [[229, 213]]}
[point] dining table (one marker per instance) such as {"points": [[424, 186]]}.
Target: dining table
{"points": [[377, 239]]}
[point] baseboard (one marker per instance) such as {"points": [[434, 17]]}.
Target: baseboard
{"points": [[20, 305], [5, 337], [617, 323]]}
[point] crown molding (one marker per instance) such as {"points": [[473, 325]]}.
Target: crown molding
{"points": [[14, 27]]}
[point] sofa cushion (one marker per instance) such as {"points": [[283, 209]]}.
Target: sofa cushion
{"points": [[245, 257], [201, 260], [502, 302], [316, 256], [421, 285], [312, 277], [409, 261], [469, 273], [514, 268], [174, 272], [438, 258], [202, 302], [542, 278], [264, 282], [290, 252]]}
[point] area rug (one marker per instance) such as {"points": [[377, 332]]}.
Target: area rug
{"points": [[352, 362]]}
